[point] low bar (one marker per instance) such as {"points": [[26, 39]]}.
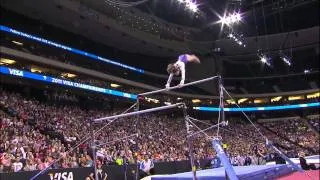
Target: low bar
{"points": [[137, 112], [176, 87]]}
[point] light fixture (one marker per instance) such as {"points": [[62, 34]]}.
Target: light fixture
{"points": [[7, 61], [265, 59], [114, 85], [36, 69], [293, 98], [237, 38], [193, 7], [196, 100], [231, 19], [17, 43], [276, 99], [242, 100], [285, 59], [230, 101], [68, 75], [306, 71], [314, 95], [190, 4], [258, 101]]}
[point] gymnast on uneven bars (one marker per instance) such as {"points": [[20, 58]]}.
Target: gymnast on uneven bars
{"points": [[178, 67]]}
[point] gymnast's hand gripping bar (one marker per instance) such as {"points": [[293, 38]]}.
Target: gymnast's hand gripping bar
{"points": [[176, 87], [138, 112]]}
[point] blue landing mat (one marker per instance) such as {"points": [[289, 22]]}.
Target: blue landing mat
{"points": [[243, 172]]}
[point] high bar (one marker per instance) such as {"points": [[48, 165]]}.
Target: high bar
{"points": [[138, 112], [175, 87]]}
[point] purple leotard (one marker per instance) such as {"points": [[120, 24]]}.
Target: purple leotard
{"points": [[183, 58]]}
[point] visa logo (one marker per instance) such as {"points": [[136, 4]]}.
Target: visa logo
{"points": [[16, 72]]}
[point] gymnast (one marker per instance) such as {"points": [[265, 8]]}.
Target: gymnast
{"points": [[179, 67]]}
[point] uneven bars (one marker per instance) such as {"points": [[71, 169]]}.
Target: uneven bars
{"points": [[138, 112], [176, 87]]}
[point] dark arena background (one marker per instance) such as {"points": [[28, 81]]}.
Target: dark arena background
{"points": [[159, 89]]}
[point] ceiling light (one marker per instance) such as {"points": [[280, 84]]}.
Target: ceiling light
{"points": [[114, 85], [242, 100], [196, 100], [36, 69], [231, 19], [276, 99], [258, 101], [265, 59], [306, 71], [314, 95], [285, 59], [230, 101], [7, 61], [17, 43], [68, 75], [293, 98], [193, 7]]}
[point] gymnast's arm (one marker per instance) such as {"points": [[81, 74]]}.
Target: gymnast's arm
{"points": [[183, 75], [169, 80]]}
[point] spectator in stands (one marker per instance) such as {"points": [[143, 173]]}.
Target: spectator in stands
{"points": [[304, 164], [146, 166]]}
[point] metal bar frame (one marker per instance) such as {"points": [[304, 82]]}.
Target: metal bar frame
{"points": [[137, 112], [176, 87]]}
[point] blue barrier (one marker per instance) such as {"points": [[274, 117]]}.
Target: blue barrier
{"points": [[44, 78], [266, 108]]}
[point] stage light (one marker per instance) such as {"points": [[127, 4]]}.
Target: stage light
{"points": [[196, 100], [17, 43], [276, 99], [306, 71], [242, 100], [190, 4], [114, 85], [230, 101], [193, 7], [314, 95], [231, 19], [68, 75], [293, 98], [285, 59], [6, 61], [237, 38], [225, 20], [265, 59]]}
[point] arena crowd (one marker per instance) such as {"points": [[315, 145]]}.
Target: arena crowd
{"points": [[36, 133]]}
